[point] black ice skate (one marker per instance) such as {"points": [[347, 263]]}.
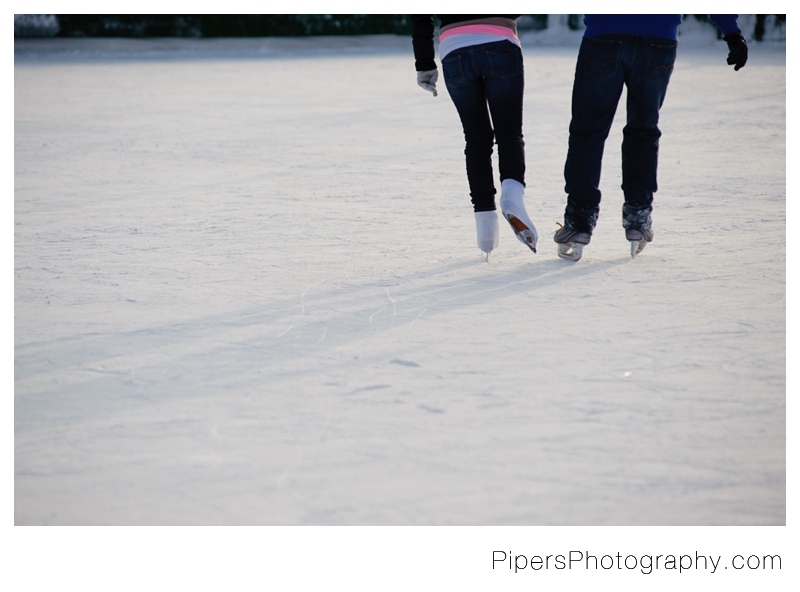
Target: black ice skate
{"points": [[639, 239], [571, 242]]}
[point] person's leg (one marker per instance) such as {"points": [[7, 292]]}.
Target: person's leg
{"points": [[466, 88], [504, 81], [647, 86], [599, 76]]}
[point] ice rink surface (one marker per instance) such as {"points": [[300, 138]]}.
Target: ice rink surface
{"points": [[247, 292]]}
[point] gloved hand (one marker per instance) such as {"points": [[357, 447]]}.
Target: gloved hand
{"points": [[738, 49], [427, 80]]}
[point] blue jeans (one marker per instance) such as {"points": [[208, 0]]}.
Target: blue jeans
{"points": [[486, 83], [644, 65]]}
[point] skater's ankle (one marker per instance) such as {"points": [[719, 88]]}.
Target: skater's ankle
{"points": [[511, 189]]}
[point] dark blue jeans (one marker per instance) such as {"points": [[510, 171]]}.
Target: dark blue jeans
{"points": [[486, 83], [605, 64]]}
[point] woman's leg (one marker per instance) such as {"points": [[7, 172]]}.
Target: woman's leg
{"points": [[466, 87], [504, 87]]}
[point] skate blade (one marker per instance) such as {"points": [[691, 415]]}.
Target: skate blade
{"points": [[486, 249], [570, 251], [637, 247], [527, 236]]}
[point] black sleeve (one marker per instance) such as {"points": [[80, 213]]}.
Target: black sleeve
{"points": [[422, 39]]}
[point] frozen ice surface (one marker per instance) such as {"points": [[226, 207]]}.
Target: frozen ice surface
{"points": [[247, 291]]}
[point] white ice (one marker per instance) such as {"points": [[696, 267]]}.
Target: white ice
{"points": [[247, 291]]}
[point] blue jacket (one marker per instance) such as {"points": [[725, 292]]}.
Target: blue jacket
{"points": [[651, 25]]}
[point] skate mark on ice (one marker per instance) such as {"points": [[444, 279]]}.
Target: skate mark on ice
{"points": [[317, 342], [372, 387], [404, 363], [422, 312], [301, 314], [430, 409], [284, 332], [303, 297], [393, 302]]}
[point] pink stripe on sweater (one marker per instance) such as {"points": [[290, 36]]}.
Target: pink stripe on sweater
{"points": [[485, 29]]}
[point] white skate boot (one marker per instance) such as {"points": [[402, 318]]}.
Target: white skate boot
{"points": [[513, 208], [488, 231]]}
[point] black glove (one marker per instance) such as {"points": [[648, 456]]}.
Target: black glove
{"points": [[738, 49]]}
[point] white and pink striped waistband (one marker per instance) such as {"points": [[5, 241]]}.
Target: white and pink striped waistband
{"points": [[480, 29]]}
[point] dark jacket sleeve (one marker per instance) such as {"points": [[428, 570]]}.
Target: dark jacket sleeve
{"points": [[422, 39], [727, 23]]}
